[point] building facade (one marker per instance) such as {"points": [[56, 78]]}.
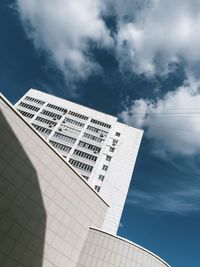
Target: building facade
{"points": [[99, 148], [50, 216], [46, 208]]}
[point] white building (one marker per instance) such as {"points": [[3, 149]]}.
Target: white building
{"points": [[99, 148], [50, 216]]}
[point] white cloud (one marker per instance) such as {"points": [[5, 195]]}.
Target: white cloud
{"points": [[181, 201], [173, 122], [151, 34], [157, 34], [64, 29]]}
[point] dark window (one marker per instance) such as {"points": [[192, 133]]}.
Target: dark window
{"points": [[80, 165], [111, 149], [105, 167], [97, 188], [101, 177], [78, 115], [108, 158]]}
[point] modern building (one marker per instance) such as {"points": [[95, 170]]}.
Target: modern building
{"points": [[99, 148], [50, 215]]}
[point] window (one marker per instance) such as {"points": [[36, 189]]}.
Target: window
{"points": [[105, 167], [101, 123], [111, 149], [98, 131], [80, 165], [57, 108], [108, 158], [34, 100], [78, 115], [86, 177], [97, 188], [84, 155], [95, 149], [77, 123], [65, 138], [60, 146], [114, 142], [22, 104], [51, 123], [70, 130], [93, 138], [101, 177], [117, 134], [41, 129], [26, 114], [51, 114]]}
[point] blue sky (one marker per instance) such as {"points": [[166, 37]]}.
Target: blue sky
{"points": [[138, 60]]}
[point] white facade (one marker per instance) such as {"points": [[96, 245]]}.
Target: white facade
{"points": [[50, 216], [46, 208], [101, 149], [104, 249]]}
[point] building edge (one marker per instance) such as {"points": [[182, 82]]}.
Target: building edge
{"points": [[131, 243], [48, 144]]}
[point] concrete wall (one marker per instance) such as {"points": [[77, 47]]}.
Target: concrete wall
{"points": [[45, 207], [105, 250]]}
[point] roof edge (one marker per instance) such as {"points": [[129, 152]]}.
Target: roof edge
{"points": [[131, 243]]}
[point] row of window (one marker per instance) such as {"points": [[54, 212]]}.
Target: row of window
{"points": [[80, 165], [95, 149], [84, 155], [26, 114], [69, 130], [93, 137], [51, 123], [35, 100], [42, 129], [78, 115], [101, 123], [60, 146], [96, 130], [22, 104], [51, 114], [57, 108], [64, 137], [101, 178], [77, 123]]}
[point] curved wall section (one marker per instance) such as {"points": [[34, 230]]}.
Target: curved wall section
{"points": [[103, 249]]}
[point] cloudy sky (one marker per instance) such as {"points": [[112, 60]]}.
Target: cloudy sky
{"points": [[135, 59]]}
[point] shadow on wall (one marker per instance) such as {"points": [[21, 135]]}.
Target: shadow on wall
{"points": [[22, 212]]}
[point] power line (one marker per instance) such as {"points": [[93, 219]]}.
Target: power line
{"points": [[176, 129], [167, 117], [149, 113]]}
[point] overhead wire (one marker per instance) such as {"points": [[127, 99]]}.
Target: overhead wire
{"points": [[176, 129], [156, 114], [173, 115]]}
